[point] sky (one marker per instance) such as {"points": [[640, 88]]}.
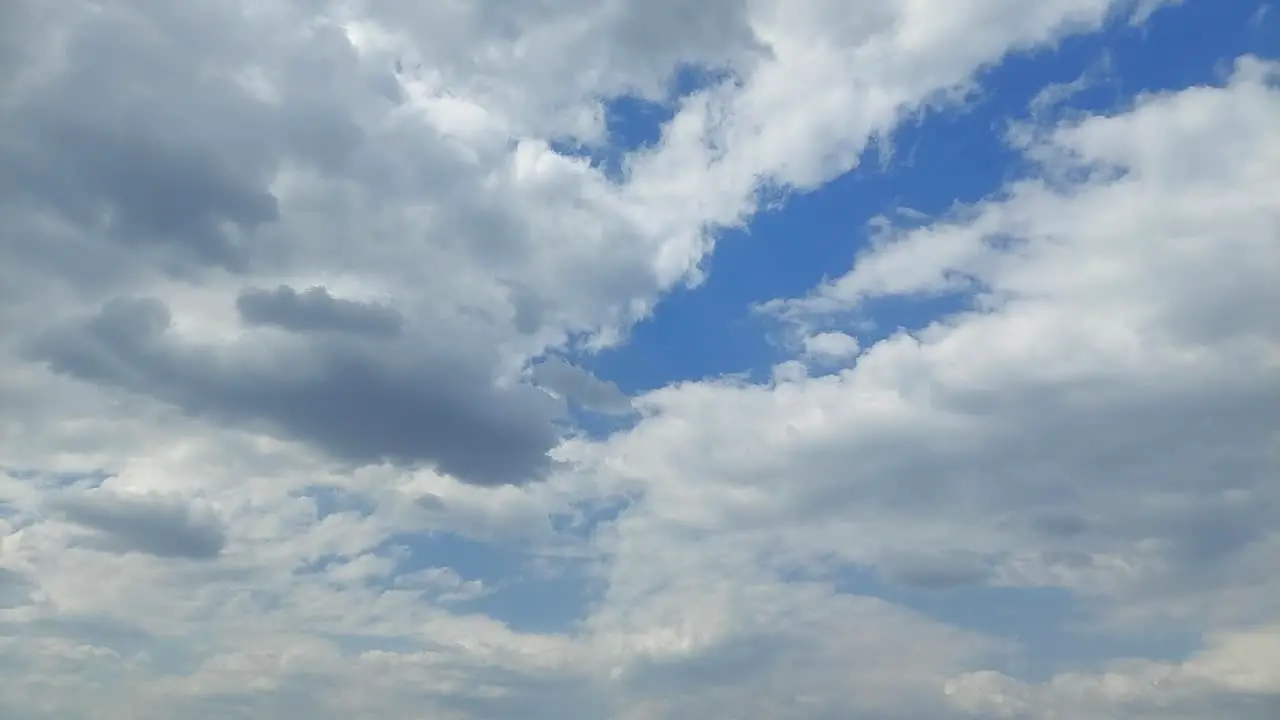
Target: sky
{"points": [[622, 360]]}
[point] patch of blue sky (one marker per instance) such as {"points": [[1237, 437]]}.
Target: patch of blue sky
{"points": [[530, 593], [1053, 630], [78, 480], [945, 157], [595, 425], [587, 517], [634, 123], [329, 500]]}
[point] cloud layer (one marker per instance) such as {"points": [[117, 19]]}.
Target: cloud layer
{"points": [[300, 298]]}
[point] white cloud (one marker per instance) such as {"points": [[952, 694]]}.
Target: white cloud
{"points": [[1234, 676], [831, 346]]}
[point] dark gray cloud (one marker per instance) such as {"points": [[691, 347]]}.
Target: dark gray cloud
{"points": [[177, 196], [148, 524], [358, 405], [315, 310], [581, 387], [101, 144]]}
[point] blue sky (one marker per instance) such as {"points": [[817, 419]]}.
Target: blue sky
{"points": [[640, 360], [944, 157]]}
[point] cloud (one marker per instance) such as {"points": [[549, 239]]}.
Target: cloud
{"points": [[182, 181], [192, 190], [831, 346], [940, 571], [1233, 677], [315, 310], [164, 527], [312, 144], [15, 589], [1086, 426], [358, 404], [581, 387]]}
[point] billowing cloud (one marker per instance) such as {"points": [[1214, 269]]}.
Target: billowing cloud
{"points": [[359, 404], [831, 346]]}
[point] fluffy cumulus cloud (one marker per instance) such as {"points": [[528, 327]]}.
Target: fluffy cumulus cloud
{"points": [[300, 298]]}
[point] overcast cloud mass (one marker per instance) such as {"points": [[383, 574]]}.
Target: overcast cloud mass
{"points": [[639, 360]]}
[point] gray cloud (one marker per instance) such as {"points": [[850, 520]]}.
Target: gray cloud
{"points": [[314, 309], [188, 179], [1206, 537], [357, 405], [157, 195], [15, 588], [1059, 525], [725, 664], [581, 387], [939, 571], [147, 524]]}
